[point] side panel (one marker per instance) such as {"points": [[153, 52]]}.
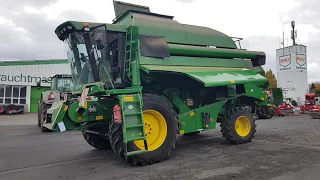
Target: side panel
{"points": [[35, 97], [213, 76], [194, 61], [200, 118], [256, 92]]}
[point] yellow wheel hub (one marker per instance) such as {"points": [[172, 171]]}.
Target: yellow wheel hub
{"points": [[155, 127], [243, 126]]}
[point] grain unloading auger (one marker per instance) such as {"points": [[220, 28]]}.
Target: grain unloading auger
{"points": [[146, 78]]}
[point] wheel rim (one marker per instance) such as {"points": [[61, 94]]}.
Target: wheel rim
{"points": [[155, 130], [243, 126]]}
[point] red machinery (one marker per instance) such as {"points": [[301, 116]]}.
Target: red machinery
{"points": [[11, 109], [286, 108], [310, 103]]}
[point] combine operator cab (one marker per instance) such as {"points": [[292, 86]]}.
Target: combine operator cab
{"points": [[95, 55]]}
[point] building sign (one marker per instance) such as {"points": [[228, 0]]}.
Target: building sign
{"points": [[30, 75], [285, 62], [22, 78], [301, 61]]}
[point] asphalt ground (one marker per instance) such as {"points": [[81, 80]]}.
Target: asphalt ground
{"points": [[284, 148]]}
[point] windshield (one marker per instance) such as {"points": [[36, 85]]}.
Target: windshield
{"points": [[64, 84], [87, 55]]}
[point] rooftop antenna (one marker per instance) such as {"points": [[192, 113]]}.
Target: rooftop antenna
{"points": [[283, 36], [293, 33], [279, 42], [282, 42]]}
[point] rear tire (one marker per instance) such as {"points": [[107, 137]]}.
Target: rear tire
{"points": [[238, 125], [151, 103]]}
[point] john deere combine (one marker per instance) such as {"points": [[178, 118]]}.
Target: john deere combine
{"points": [[146, 78]]}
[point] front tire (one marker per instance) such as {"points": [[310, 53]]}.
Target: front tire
{"points": [[161, 129], [97, 141], [238, 125], [97, 136]]}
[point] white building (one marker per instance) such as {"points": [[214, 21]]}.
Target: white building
{"points": [[292, 73], [18, 80]]}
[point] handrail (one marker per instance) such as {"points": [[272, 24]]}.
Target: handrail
{"points": [[105, 69]]}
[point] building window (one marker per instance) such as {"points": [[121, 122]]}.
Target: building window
{"points": [[1, 94], [13, 94]]}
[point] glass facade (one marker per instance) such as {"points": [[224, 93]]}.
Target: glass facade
{"points": [[13, 94]]}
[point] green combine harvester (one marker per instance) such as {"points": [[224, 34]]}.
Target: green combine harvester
{"points": [[146, 78]]}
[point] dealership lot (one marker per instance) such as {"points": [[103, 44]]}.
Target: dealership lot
{"points": [[283, 148]]}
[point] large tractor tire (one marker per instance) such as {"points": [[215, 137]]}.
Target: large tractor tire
{"points": [[238, 125], [43, 113], [97, 141], [97, 136], [161, 126]]}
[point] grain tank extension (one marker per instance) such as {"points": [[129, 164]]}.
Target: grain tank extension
{"points": [[146, 78]]}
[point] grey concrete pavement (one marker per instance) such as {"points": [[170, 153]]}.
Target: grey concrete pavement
{"points": [[284, 148], [19, 119]]}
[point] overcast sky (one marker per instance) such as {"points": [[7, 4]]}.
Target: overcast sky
{"points": [[27, 26]]}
